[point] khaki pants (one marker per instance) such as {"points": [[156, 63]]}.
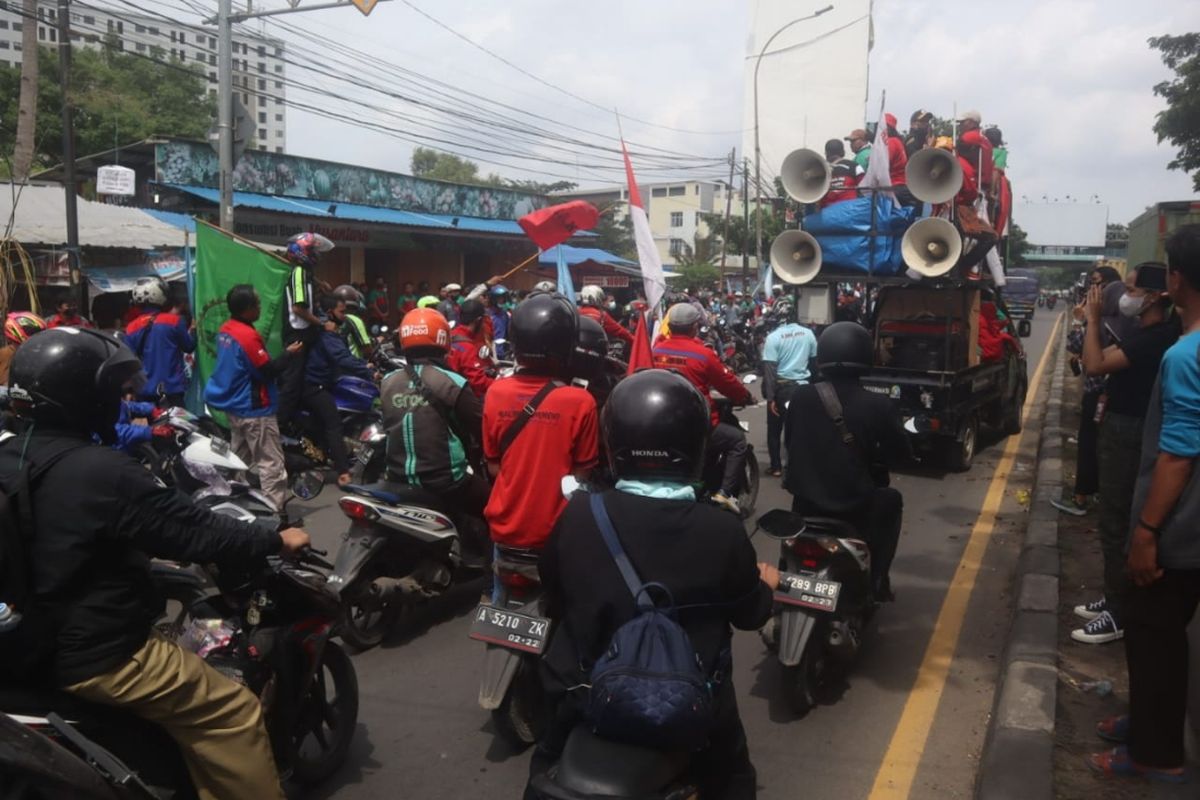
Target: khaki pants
{"points": [[256, 441], [216, 723]]}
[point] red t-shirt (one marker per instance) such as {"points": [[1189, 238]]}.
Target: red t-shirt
{"points": [[897, 160], [561, 438]]}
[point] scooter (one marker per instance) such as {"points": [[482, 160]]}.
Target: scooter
{"points": [[823, 604], [356, 400]]}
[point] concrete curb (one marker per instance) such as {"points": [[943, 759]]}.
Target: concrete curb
{"points": [[1018, 755]]}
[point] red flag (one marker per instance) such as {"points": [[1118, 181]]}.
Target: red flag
{"points": [[640, 356], [553, 225]]}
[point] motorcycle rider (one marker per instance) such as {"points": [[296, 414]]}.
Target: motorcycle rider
{"points": [[301, 323], [829, 476], [690, 357], [786, 356], [160, 337], [655, 426], [591, 304], [470, 352], [590, 364], [18, 327], [434, 426], [328, 359], [98, 518], [354, 330]]}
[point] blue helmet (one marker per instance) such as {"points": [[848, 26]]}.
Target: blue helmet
{"points": [[304, 248], [498, 290]]}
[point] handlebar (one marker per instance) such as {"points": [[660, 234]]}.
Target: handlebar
{"points": [[311, 555]]}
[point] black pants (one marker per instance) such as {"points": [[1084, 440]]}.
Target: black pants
{"points": [[878, 522], [1156, 652], [1087, 469], [466, 502], [1120, 444], [731, 441], [327, 425], [723, 769], [291, 378], [783, 393]]}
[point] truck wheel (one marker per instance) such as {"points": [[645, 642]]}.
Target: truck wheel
{"points": [[962, 451], [1012, 414], [1024, 328]]}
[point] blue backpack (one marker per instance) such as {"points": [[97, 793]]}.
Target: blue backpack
{"points": [[649, 687]]}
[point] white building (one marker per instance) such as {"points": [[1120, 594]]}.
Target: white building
{"points": [[258, 61]]}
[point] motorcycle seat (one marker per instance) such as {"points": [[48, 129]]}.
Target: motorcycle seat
{"points": [[830, 526], [396, 494], [595, 767], [39, 701]]}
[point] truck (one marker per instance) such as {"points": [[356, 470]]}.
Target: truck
{"points": [[928, 360], [1021, 293], [1149, 230]]}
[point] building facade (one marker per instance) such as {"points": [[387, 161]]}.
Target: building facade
{"points": [[258, 61]]}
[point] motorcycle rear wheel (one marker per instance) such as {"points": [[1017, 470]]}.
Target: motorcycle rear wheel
{"points": [[366, 618], [328, 718], [518, 719], [803, 681], [748, 496]]}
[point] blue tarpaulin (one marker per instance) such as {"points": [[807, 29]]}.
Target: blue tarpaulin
{"points": [[843, 231]]}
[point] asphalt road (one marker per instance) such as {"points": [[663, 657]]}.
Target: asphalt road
{"points": [[422, 735]]}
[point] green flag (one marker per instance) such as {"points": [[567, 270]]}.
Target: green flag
{"points": [[223, 262]]}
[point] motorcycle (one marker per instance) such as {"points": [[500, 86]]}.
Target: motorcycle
{"points": [[824, 601], [515, 634], [714, 468], [1052, 301], [356, 400], [402, 548], [594, 768], [269, 629]]}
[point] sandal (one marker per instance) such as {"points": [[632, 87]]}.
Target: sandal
{"points": [[1114, 729], [1116, 763]]}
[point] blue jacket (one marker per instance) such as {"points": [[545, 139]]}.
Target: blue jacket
{"points": [[128, 434], [499, 322], [160, 339], [242, 382], [328, 358]]}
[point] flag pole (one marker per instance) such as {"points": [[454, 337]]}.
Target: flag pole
{"points": [[524, 263]]}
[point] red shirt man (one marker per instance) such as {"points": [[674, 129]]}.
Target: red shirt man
{"points": [[695, 361], [469, 354], [560, 439], [612, 328], [897, 154]]}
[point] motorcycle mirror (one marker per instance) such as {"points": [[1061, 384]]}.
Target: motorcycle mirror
{"points": [[749, 379], [308, 484]]}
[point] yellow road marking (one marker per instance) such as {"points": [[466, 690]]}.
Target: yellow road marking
{"points": [[899, 767]]}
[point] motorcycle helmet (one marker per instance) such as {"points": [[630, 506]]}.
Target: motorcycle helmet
{"points": [[591, 296], [590, 349], [470, 311], [150, 291], [845, 348], [428, 301], [545, 286], [498, 292], [305, 248], [20, 325], [351, 296], [74, 378], [543, 333], [655, 426], [424, 329]]}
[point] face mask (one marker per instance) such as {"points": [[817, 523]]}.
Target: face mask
{"points": [[1130, 305]]}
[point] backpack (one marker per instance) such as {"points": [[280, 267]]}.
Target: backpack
{"points": [[649, 687], [26, 647]]}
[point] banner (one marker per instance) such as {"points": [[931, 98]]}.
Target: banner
{"points": [[222, 262], [170, 264]]}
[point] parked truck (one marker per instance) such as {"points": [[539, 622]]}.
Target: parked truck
{"points": [[1149, 231]]}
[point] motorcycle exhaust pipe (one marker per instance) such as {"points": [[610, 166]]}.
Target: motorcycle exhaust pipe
{"points": [[843, 641], [428, 584]]}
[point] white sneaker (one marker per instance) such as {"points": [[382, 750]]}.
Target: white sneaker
{"points": [[1090, 611], [727, 502], [1101, 630]]}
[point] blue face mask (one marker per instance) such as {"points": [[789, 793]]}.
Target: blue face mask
{"points": [[661, 490]]}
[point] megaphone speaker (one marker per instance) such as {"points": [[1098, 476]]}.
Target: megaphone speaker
{"points": [[933, 175], [931, 246], [796, 256], [806, 175]]}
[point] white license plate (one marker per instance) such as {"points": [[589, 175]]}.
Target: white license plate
{"points": [[808, 591], [510, 629]]}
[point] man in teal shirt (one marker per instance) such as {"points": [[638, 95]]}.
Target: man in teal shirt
{"points": [[786, 358]]}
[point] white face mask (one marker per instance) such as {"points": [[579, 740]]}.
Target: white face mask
{"points": [[1131, 306]]}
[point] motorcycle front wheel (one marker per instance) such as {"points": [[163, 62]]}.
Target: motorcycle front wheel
{"points": [[327, 718], [518, 718]]}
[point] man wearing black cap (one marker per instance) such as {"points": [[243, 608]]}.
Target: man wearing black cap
{"points": [[470, 351], [846, 174], [920, 132]]}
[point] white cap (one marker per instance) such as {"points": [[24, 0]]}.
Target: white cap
{"points": [[453, 287], [972, 115]]}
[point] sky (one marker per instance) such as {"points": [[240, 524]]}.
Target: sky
{"points": [[1069, 82]]}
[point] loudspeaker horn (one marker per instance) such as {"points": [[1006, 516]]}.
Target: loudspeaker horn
{"points": [[806, 175], [931, 246], [933, 175], [796, 256]]}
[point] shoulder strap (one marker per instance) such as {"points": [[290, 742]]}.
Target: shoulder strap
{"points": [[527, 413], [609, 534], [833, 409]]}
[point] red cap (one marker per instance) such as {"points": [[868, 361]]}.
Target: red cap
{"points": [[972, 137], [890, 119]]}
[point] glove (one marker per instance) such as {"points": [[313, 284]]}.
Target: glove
{"points": [[164, 431]]}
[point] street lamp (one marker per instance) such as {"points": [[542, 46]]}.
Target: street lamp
{"points": [[757, 149]]}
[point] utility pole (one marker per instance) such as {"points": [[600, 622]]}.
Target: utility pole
{"points": [[68, 146], [225, 111], [746, 217], [728, 210]]}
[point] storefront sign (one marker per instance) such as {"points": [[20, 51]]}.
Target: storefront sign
{"points": [[607, 281], [114, 179]]}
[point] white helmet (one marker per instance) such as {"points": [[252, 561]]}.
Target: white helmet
{"points": [[544, 286], [591, 296], [150, 292]]}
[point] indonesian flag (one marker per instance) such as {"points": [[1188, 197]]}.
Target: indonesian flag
{"points": [[551, 226], [652, 270], [879, 168]]}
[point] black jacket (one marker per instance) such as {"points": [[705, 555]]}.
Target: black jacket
{"points": [[98, 518], [823, 472], [701, 553]]}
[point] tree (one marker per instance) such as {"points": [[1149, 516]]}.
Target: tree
{"points": [[614, 235], [538, 187], [116, 96], [427, 163], [24, 146], [1017, 247], [1116, 236], [694, 262], [1179, 123]]}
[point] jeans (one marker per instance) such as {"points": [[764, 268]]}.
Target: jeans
{"points": [[730, 440], [1156, 652], [1120, 443], [878, 522], [1087, 470], [783, 393], [320, 404]]}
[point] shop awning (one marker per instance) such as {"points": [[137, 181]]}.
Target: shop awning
{"points": [[41, 219], [577, 255]]}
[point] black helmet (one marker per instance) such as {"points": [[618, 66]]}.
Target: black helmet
{"points": [[655, 426], [350, 296], [845, 348], [469, 311], [590, 349], [543, 332], [75, 378]]}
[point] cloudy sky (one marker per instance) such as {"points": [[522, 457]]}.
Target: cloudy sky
{"points": [[1069, 81]]}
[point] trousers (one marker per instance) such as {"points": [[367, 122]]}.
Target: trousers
{"points": [[878, 521], [1156, 654], [1119, 444], [291, 378], [217, 723], [320, 404], [731, 441], [255, 440], [783, 394], [1087, 470]]}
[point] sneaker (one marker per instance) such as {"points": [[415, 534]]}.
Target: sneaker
{"points": [[1090, 611], [1101, 630], [1069, 507], [727, 502]]}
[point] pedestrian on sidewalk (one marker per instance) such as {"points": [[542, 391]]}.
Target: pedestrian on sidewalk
{"points": [[1131, 366], [1164, 548]]}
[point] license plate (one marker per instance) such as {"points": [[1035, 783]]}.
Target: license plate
{"points": [[219, 446], [808, 591], [510, 629], [364, 455]]}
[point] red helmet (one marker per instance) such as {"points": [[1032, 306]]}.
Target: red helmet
{"points": [[20, 325], [304, 248], [424, 327]]}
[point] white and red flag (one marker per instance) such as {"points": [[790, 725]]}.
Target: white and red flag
{"points": [[655, 284]]}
